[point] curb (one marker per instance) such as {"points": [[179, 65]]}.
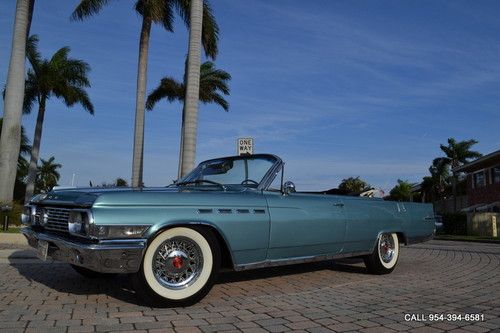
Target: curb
{"points": [[16, 239], [489, 241]]}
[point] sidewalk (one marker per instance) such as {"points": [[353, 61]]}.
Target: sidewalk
{"points": [[16, 239]]}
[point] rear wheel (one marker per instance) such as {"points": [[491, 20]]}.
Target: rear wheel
{"points": [[179, 267], [385, 256]]}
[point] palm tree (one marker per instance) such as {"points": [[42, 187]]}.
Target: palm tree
{"points": [[158, 12], [190, 117], [47, 175], [60, 76], [13, 105], [22, 165], [213, 85], [458, 153], [437, 183]]}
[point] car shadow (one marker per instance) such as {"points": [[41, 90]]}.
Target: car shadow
{"points": [[350, 265], [62, 278]]}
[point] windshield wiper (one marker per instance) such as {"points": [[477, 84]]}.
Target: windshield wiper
{"points": [[200, 181]]}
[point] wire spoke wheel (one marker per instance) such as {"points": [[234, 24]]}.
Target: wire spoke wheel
{"points": [[179, 267], [177, 263]]}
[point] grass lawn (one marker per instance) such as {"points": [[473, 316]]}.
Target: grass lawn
{"points": [[12, 229]]}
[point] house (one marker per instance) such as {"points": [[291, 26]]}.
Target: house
{"points": [[483, 182]]}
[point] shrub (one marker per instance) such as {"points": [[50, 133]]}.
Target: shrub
{"points": [[455, 224]]}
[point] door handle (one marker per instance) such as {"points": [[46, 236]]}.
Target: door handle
{"points": [[338, 204]]}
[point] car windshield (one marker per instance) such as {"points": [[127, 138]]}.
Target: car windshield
{"points": [[247, 170]]}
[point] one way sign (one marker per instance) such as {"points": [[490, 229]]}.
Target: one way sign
{"points": [[244, 146]]}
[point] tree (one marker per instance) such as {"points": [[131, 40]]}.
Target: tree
{"points": [[47, 175], [10, 138], [354, 185], [158, 12], [213, 87], [190, 116], [402, 191], [458, 153], [22, 165], [61, 77], [120, 182], [435, 185]]}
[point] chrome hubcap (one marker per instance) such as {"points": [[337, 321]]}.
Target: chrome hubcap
{"points": [[177, 263], [386, 247]]}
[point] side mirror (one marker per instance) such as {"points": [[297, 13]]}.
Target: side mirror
{"points": [[288, 187]]}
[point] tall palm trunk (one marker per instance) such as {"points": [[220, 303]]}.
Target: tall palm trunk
{"points": [[10, 139], [35, 152], [190, 129], [138, 157], [179, 170]]}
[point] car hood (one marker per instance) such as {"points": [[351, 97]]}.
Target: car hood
{"points": [[86, 197]]}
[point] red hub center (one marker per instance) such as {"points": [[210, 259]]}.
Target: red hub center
{"points": [[177, 262]]}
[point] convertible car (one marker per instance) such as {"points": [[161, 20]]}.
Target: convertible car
{"points": [[228, 213]]}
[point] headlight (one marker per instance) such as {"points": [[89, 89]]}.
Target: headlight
{"points": [[111, 231], [28, 215], [79, 222]]}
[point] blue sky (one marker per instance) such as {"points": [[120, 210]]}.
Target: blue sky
{"points": [[336, 88]]}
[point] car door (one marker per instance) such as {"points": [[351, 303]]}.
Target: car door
{"points": [[304, 225]]}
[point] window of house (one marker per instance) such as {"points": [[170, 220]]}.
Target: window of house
{"points": [[478, 179], [495, 175]]}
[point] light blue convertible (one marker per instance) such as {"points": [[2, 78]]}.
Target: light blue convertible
{"points": [[233, 212]]}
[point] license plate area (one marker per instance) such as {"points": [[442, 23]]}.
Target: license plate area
{"points": [[42, 249]]}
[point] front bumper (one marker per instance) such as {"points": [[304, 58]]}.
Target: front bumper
{"points": [[105, 256]]}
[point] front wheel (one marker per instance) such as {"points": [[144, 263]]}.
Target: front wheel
{"points": [[384, 257], [179, 267]]}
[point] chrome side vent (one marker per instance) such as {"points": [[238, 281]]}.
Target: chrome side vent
{"points": [[259, 211], [205, 211], [243, 211], [225, 211]]}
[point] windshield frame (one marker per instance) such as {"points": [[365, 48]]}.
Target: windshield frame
{"points": [[266, 180]]}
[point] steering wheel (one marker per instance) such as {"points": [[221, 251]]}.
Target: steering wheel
{"points": [[249, 181]]}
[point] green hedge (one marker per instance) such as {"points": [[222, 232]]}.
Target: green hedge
{"points": [[455, 224]]}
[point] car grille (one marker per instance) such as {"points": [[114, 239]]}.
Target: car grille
{"points": [[53, 218]]}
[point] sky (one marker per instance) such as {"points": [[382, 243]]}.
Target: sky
{"points": [[335, 88]]}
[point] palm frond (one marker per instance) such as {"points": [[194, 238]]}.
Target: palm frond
{"points": [[168, 88], [87, 8], [32, 54]]}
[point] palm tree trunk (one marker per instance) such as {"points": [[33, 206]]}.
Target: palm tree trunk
{"points": [[192, 88], [138, 157], [10, 139], [35, 152], [179, 170]]}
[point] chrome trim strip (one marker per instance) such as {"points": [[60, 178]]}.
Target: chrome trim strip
{"points": [[297, 260], [271, 174]]}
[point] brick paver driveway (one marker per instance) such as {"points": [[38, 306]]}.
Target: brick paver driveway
{"points": [[432, 278]]}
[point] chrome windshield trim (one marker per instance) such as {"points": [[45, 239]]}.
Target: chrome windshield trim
{"points": [[266, 180]]}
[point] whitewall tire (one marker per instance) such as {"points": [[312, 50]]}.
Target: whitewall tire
{"points": [[179, 266], [385, 256]]}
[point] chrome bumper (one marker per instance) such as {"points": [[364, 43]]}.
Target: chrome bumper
{"points": [[106, 256]]}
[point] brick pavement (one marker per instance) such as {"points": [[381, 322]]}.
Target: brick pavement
{"points": [[434, 277]]}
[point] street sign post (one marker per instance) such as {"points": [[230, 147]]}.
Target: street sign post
{"points": [[244, 146]]}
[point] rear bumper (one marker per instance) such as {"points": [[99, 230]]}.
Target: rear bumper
{"points": [[106, 256]]}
